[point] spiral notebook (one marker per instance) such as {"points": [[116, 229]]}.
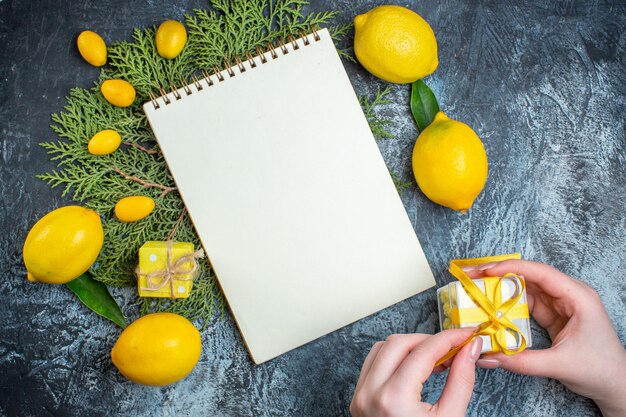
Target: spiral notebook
{"points": [[289, 194]]}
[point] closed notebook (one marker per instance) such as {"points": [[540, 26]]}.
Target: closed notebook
{"points": [[289, 195]]}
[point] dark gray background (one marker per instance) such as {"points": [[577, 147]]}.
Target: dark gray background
{"points": [[542, 83]]}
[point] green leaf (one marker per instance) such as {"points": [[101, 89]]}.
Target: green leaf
{"points": [[94, 294], [424, 104]]}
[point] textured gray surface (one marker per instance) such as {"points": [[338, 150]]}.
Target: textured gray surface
{"points": [[541, 82]]}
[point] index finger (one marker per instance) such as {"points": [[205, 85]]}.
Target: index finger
{"points": [[419, 364]]}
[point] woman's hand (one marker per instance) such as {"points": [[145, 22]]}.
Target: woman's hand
{"points": [[586, 354], [395, 370]]}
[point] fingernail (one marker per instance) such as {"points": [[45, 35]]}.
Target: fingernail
{"points": [[468, 268], [488, 363], [477, 346], [487, 266]]}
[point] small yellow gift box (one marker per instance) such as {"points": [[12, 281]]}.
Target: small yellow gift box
{"points": [[167, 269], [497, 306]]}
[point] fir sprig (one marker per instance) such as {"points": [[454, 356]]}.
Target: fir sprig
{"points": [[339, 32], [215, 42], [377, 123], [400, 184], [139, 63]]}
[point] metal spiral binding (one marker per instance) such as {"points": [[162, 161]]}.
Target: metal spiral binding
{"points": [[186, 88], [166, 99], [239, 64], [250, 59], [282, 46], [154, 101], [294, 44], [217, 73], [272, 50], [175, 91], [196, 82], [229, 69], [207, 77], [316, 35], [260, 54]]}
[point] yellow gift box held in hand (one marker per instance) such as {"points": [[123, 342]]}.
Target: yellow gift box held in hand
{"points": [[496, 306], [167, 269]]}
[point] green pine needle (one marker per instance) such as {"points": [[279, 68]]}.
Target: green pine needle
{"points": [[401, 185], [339, 32], [215, 37], [377, 123]]}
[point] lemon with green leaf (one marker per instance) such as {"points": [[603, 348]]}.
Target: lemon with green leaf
{"points": [[63, 244], [450, 163]]}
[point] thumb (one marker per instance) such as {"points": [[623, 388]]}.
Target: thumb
{"points": [[457, 393], [543, 363]]}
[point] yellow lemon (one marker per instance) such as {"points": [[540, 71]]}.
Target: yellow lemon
{"points": [[170, 38], [133, 208], [450, 163], [118, 92], [92, 48], [104, 142], [395, 44], [63, 244], [157, 349]]}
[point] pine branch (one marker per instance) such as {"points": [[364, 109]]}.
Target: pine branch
{"points": [[401, 185], [142, 148], [180, 219], [234, 29], [165, 189], [377, 123], [339, 33]]}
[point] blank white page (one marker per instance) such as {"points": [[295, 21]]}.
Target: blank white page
{"points": [[290, 197]]}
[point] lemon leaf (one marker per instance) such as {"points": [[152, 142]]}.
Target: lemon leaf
{"points": [[94, 294], [424, 104]]}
